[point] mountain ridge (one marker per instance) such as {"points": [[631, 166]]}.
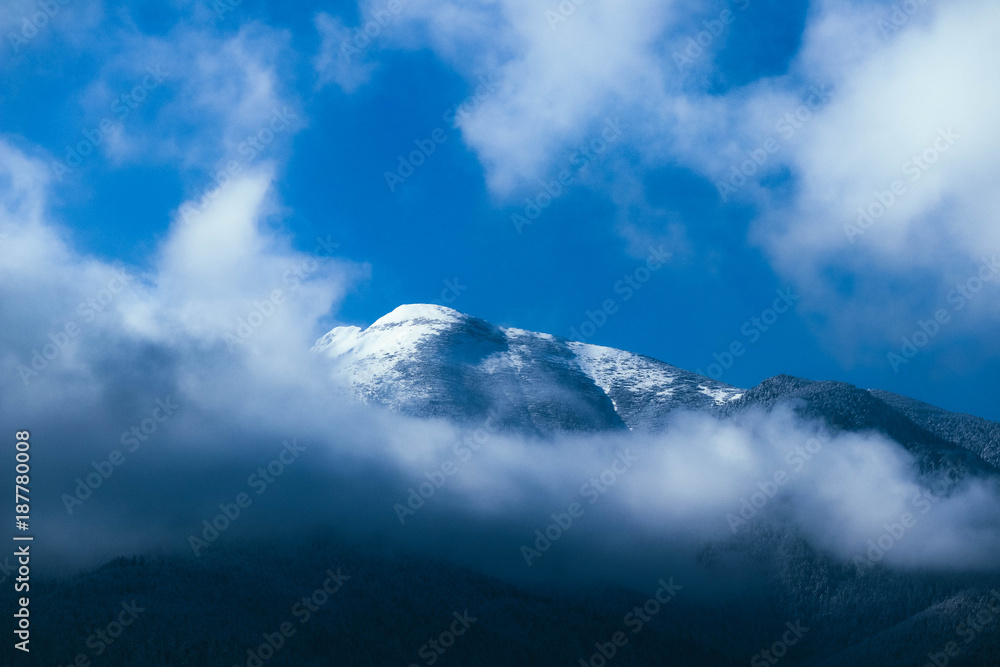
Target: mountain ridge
{"points": [[428, 360]]}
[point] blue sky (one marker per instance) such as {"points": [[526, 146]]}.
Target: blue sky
{"points": [[690, 92]]}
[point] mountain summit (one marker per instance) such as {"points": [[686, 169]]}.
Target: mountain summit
{"points": [[429, 360]]}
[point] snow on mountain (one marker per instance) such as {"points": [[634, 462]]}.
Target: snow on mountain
{"points": [[430, 360], [643, 390], [379, 355]]}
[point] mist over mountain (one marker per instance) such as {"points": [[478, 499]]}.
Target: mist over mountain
{"points": [[455, 466]]}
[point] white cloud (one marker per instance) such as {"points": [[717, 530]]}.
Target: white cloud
{"points": [[930, 88], [208, 94], [558, 79], [225, 279], [339, 60], [916, 109], [561, 84], [29, 25]]}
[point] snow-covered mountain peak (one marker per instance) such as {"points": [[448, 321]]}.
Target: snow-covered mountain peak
{"points": [[419, 313], [398, 332], [431, 360]]}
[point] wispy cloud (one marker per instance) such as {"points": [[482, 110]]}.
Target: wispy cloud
{"points": [[217, 90]]}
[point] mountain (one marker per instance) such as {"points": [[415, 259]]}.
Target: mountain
{"points": [[975, 433], [842, 406], [394, 601], [743, 594], [432, 361], [391, 607]]}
